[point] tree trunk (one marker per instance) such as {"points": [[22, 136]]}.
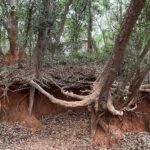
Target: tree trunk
{"points": [[135, 68], [28, 24], [40, 46], [31, 99], [42, 37], [107, 77], [90, 26], [63, 20], [137, 81], [54, 45], [12, 27], [39, 51], [15, 54]]}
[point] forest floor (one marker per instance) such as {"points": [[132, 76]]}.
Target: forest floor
{"points": [[52, 127], [66, 131]]}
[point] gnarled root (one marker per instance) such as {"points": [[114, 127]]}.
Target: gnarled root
{"points": [[31, 99], [103, 125], [112, 109], [95, 120]]}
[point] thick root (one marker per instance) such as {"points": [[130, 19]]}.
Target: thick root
{"points": [[94, 122], [31, 99], [112, 109]]}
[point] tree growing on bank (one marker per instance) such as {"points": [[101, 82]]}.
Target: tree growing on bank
{"points": [[102, 98]]}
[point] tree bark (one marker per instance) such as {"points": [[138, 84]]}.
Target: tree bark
{"points": [[15, 54], [42, 37], [135, 86], [12, 27], [90, 47], [107, 77], [31, 99], [28, 24], [63, 20], [54, 45], [136, 66]]}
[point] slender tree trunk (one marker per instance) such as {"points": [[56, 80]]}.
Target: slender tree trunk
{"points": [[1, 52], [28, 24], [120, 11], [63, 20], [133, 75], [12, 26], [107, 77], [136, 66], [134, 87], [31, 99], [90, 26], [54, 46], [104, 36]]}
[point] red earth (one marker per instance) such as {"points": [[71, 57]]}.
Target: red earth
{"points": [[15, 108]]}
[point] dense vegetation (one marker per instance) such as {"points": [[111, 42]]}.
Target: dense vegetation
{"points": [[71, 25]]}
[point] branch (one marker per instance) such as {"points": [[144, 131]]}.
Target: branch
{"points": [[31, 100]]}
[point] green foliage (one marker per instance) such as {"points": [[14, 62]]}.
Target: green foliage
{"points": [[107, 17], [89, 57]]}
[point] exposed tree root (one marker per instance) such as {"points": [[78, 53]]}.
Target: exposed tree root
{"points": [[103, 125], [128, 108], [95, 120], [86, 101], [31, 99], [71, 94], [111, 107], [82, 100], [145, 88]]}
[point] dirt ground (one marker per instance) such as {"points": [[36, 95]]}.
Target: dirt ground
{"points": [[65, 131], [57, 128]]}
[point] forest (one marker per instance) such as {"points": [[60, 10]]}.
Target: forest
{"points": [[75, 74]]}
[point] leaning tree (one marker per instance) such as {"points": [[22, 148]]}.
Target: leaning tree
{"points": [[102, 96], [105, 95]]}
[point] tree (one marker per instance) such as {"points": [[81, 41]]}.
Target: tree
{"points": [[90, 47], [54, 45], [12, 26], [42, 27], [101, 92], [15, 53], [43, 30]]}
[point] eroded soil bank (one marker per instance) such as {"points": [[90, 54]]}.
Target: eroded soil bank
{"points": [[68, 123]]}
